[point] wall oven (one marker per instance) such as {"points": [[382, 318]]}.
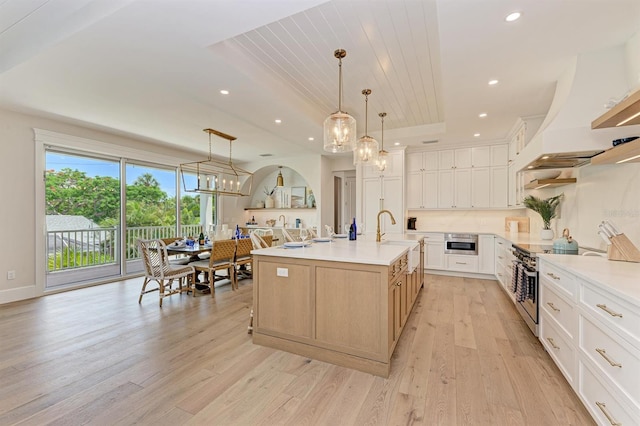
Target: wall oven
{"points": [[461, 244], [524, 285]]}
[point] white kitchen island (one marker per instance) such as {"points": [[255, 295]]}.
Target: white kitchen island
{"points": [[343, 302]]}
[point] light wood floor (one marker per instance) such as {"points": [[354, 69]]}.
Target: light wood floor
{"points": [[94, 356]]}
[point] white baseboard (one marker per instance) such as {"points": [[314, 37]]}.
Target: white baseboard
{"points": [[20, 293], [460, 274]]}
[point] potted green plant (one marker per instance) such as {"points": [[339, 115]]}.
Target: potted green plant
{"points": [[547, 209]]}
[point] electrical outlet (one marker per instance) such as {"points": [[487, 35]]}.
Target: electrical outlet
{"points": [[11, 275], [282, 272]]}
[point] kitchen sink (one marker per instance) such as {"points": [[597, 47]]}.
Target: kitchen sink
{"points": [[414, 252]]}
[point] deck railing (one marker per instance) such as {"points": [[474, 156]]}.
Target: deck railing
{"points": [[79, 248]]}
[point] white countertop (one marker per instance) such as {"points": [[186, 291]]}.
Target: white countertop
{"points": [[363, 250], [621, 278]]}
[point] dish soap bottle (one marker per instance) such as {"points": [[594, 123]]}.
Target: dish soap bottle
{"points": [[353, 230]]}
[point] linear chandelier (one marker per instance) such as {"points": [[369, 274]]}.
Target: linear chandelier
{"points": [[214, 176]]}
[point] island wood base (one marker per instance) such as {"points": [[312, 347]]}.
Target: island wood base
{"points": [[321, 354], [349, 314]]}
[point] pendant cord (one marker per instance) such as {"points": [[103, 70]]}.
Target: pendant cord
{"points": [[366, 114], [340, 84]]}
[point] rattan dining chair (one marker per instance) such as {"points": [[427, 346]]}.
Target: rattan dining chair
{"points": [[158, 268], [243, 260], [288, 237], [222, 257]]}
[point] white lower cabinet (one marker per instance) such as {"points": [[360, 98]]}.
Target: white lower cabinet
{"points": [[504, 264], [434, 251], [486, 254], [461, 262], [592, 335], [601, 402]]}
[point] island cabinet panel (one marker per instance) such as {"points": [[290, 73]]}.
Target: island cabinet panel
{"points": [[349, 310], [349, 314], [285, 302]]}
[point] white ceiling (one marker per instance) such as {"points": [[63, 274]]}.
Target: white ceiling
{"points": [[154, 68]]}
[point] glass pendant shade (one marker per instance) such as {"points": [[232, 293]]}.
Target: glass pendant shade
{"points": [[366, 151], [339, 127], [381, 162], [339, 132]]}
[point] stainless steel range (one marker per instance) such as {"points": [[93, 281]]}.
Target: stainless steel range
{"points": [[524, 284]]}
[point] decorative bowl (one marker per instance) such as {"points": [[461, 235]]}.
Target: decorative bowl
{"points": [[271, 222]]}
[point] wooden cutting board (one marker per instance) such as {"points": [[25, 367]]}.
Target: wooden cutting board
{"points": [[523, 224]]}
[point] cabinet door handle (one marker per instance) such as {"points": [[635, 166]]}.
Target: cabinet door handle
{"points": [[603, 407], [553, 307], [500, 257], [609, 311], [552, 343], [399, 283], [461, 263], [555, 277], [604, 355]]}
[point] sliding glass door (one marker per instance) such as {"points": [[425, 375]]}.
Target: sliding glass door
{"points": [[82, 198]]}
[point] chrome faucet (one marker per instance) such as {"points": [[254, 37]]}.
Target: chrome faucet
{"points": [[393, 222], [283, 220]]}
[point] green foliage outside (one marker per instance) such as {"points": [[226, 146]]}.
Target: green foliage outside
{"points": [[72, 192], [69, 258]]}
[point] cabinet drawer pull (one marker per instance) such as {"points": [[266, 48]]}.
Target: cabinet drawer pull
{"points": [[461, 263], [609, 311], [500, 257], [399, 283], [555, 277], [603, 407], [604, 355], [552, 343], [553, 307]]}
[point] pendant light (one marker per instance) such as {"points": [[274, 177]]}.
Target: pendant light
{"points": [[366, 151], [381, 162], [280, 179], [339, 127]]}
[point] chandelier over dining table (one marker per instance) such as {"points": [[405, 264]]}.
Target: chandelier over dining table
{"points": [[213, 176]]}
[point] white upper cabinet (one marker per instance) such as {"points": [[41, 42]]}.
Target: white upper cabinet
{"points": [[446, 159], [499, 155], [462, 158], [395, 161], [481, 156]]}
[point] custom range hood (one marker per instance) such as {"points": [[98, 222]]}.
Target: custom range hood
{"points": [[565, 138]]}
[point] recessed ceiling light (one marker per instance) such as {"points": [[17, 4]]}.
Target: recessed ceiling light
{"points": [[397, 144], [224, 92], [493, 82], [278, 121], [514, 16], [475, 135], [311, 139], [482, 115]]}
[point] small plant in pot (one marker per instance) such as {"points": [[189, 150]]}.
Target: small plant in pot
{"points": [[269, 202], [547, 209]]}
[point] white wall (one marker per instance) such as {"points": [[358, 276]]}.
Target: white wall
{"points": [[609, 192], [20, 224], [462, 220]]}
